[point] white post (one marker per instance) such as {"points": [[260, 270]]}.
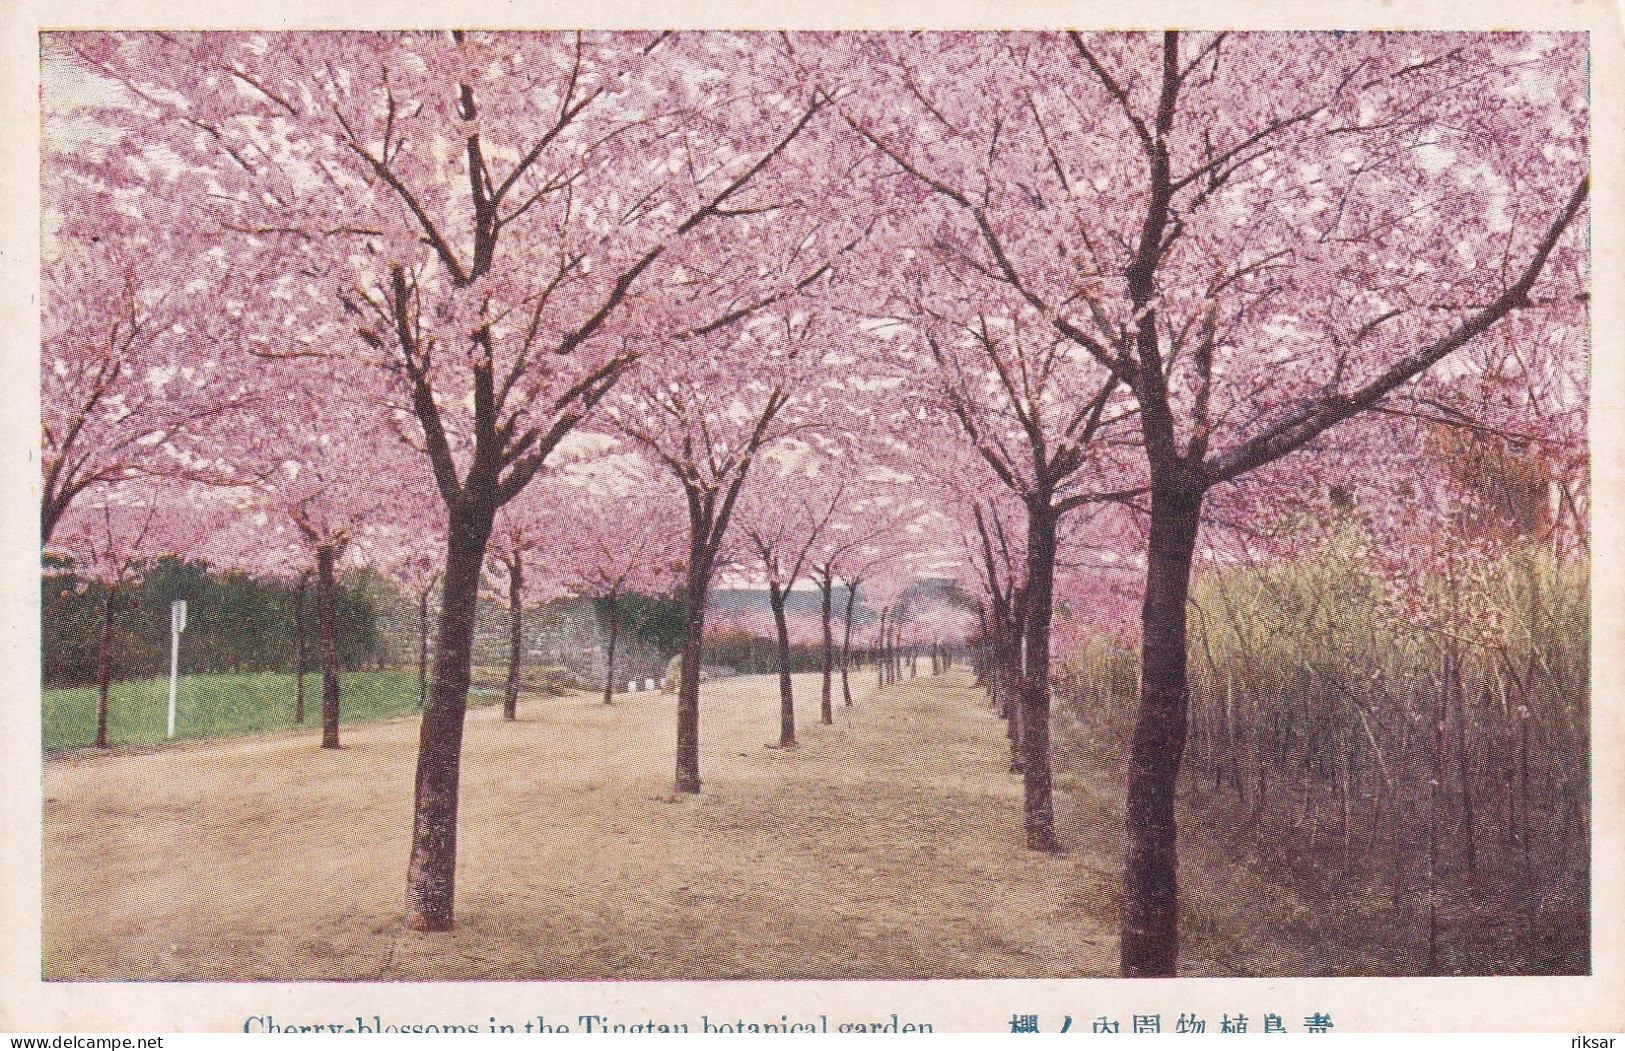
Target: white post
{"points": [[177, 624]]}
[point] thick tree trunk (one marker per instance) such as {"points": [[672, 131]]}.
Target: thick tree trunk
{"points": [[688, 683], [431, 872], [328, 642], [1038, 803], [516, 634], [787, 701], [826, 707], [609, 649], [1458, 693], [299, 660], [104, 666], [1150, 936], [846, 645]]}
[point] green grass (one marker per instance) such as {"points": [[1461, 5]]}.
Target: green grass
{"points": [[210, 706]]}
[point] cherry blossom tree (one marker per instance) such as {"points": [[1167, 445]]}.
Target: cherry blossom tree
{"points": [[885, 587], [707, 421], [993, 547], [625, 536], [410, 555], [1255, 261], [114, 531], [525, 532], [495, 222], [321, 471], [1029, 406], [1167, 271], [108, 542], [867, 517], [128, 375], [782, 516]]}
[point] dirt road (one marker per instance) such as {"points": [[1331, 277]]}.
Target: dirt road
{"points": [[886, 846]]}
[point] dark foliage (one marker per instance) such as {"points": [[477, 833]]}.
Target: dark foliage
{"points": [[235, 623]]}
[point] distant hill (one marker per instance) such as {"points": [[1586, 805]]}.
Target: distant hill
{"points": [[805, 602]]}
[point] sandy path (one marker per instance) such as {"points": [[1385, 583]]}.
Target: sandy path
{"points": [[886, 846]]}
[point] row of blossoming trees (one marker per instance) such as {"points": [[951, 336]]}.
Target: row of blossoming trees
{"points": [[599, 313]]}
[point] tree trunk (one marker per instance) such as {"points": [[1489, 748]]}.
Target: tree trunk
{"points": [[979, 661], [1038, 801], [888, 656], [431, 872], [688, 684], [846, 644], [423, 647], [328, 643], [1010, 670], [1012, 729], [826, 708], [880, 651], [1150, 937], [1010, 667], [299, 659], [1464, 781], [777, 596], [894, 651], [609, 649], [104, 666], [1435, 783], [516, 631]]}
